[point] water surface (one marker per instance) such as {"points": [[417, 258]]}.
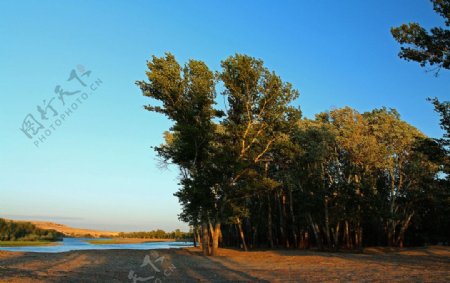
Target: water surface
{"points": [[75, 244]]}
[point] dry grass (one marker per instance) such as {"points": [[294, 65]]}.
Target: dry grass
{"points": [[70, 231]]}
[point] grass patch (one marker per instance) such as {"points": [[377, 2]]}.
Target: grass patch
{"points": [[26, 243]]}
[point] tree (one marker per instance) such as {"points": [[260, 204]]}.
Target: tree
{"points": [[432, 48], [219, 163], [187, 97], [258, 114], [313, 174], [404, 174], [426, 48]]}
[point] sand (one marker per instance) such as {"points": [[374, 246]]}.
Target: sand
{"points": [[430, 264]]}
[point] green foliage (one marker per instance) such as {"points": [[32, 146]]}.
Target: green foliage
{"points": [[432, 48], [443, 108], [186, 96], [257, 173], [158, 234], [25, 231], [361, 170]]}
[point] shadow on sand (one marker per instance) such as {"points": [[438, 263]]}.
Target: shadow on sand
{"points": [[174, 265]]}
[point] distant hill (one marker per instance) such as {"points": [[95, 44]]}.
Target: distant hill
{"points": [[70, 231]]}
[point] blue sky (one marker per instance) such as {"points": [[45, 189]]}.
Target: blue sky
{"points": [[96, 170]]}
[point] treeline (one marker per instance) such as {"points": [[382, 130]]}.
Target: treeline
{"points": [[158, 234], [26, 231], [254, 173]]}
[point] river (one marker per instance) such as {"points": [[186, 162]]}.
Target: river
{"points": [[74, 244]]}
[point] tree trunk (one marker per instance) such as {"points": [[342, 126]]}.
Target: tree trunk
{"points": [[269, 220], [195, 235], [285, 220], [358, 236], [211, 231], [199, 241], [220, 236], [347, 238], [254, 236], [205, 239], [316, 231], [304, 240], [327, 223], [291, 211], [280, 198], [401, 234], [391, 232], [215, 242], [241, 233], [392, 225], [336, 236], [390, 237]]}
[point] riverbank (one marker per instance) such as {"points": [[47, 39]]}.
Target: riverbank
{"points": [[430, 264]]}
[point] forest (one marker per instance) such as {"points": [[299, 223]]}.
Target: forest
{"points": [[26, 231], [255, 173], [258, 174]]}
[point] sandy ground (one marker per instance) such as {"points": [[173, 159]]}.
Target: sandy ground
{"points": [[187, 265]]}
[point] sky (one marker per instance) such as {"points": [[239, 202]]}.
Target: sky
{"points": [[95, 168]]}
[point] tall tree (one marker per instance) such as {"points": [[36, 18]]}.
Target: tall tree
{"points": [[402, 173], [258, 114], [220, 163], [186, 96]]}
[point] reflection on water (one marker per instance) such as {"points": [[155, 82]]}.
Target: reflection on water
{"points": [[73, 244]]}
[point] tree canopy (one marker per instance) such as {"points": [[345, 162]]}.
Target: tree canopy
{"points": [[255, 173]]}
